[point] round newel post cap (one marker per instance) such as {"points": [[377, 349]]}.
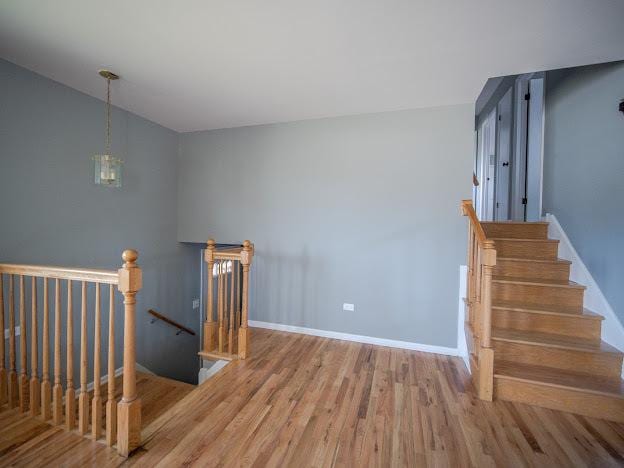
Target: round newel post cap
{"points": [[130, 256], [211, 244], [247, 245]]}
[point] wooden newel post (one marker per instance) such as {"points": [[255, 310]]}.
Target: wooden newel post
{"points": [[486, 354], [210, 326], [129, 408], [243, 331]]}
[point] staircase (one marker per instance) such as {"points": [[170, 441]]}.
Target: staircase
{"points": [[547, 348]]}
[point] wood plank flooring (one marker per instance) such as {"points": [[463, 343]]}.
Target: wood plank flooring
{"points": [[308, 401], [26, 441]]}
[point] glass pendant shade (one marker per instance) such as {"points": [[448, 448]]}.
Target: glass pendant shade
{"points": [[107, 170]]}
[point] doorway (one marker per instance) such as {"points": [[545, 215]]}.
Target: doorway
{"points": [[509, 151], [528, 148]]}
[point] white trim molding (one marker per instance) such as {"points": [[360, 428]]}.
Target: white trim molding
{"points": [[425, 348], [462, 346], [594, 300], [208, 371]]}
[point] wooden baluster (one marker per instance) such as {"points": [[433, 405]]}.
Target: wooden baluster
{"points": [[3, 372], [471, 272], [57, 391], [23, 377], [220, 305], [486, 353], [243, 331], [210, 327], [96, 403], [46, 389], [238, 294], [13, 385], [83, 398], [470, 263], [111, 404], [231, 319], [129, 408], [70, 392], [35, 386]]}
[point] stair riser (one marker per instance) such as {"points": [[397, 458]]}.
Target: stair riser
{"points": [[516, 231], [604, 364], [570, 299], [570, 325], [585, 403], [526, 249], [553, 271]]}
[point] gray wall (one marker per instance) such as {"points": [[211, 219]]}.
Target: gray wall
{"points": [[584, 169], [361, 209], [52, 213]]}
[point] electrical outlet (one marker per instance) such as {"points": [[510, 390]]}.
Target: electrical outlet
{"points": [[195, 303], [348, 307]]}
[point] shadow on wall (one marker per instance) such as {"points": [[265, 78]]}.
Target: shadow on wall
{"points": [[290, 288]]}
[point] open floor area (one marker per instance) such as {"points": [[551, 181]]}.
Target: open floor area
{"points": [[307, 401]]}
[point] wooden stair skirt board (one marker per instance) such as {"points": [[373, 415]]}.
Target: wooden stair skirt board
{"points": [[547, 347], [560, 390]]}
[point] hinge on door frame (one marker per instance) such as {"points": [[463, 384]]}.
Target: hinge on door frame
{"points": [[527, 96], [524, 201]]}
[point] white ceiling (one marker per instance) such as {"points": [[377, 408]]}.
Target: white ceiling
{"points": [[204, 64]]}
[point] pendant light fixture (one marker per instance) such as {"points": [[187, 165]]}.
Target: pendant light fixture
{"points": [[107, 167]]}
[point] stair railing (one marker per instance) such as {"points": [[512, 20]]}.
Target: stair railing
{"points": [[46, 397], [226, 335], [481, 262]]}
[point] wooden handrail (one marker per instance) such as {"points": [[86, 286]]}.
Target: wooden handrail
{"points": [[63, 273], [468, 210], [171, 322]]}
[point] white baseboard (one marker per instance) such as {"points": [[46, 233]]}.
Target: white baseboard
{"points": [[594, 300], [207, 372], [356, 338], [142, 368], [462, 346], [118, 372], [6, 332]]}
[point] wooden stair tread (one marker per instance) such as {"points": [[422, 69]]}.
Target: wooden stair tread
{"points": [[553, 341], [215, 355], [536, 260], [559, 378], [523, 239], [514, 222], [546, 310], [537, 282]]}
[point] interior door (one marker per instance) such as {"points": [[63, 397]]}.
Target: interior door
{"points": [[526, 203], [535, 150], [503, 156], [489, 166]]}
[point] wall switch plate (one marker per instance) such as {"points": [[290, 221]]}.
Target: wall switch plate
{"points": [[195, 303], [348, 307]]}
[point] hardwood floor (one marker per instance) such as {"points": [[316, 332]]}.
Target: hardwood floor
{"points": [[308, 401], [26, 441]]}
